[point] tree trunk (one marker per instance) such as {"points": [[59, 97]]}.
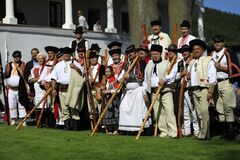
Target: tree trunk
{"points": [[178, 11], [141, 12]]}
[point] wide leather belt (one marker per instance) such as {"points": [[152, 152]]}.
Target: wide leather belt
{"points": [[13, 88], [222, 79], [63, 87]]}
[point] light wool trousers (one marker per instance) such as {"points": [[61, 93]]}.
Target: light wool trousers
{"points": [[201, 103], [164, 114], [225, 101], [15, 107]]}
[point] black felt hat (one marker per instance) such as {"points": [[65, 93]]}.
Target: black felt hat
{"points": [[17, 54], [93, 55], [184, 48], [197, 42], [66, 50], [79, 30], [114, 48], [94, 47], [156, 22], [185, 23], [172, 48], [130, 49], [52, 48], [156, 48], [218, 38]]}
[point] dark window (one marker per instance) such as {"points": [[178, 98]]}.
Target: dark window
{"points": [[93, 15], [125, 22], [2, 10], [55, 14]]}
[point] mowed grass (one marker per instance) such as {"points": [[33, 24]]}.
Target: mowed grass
{"points": [[31, 143]]}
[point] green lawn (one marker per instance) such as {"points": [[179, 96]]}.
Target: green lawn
{"points": [[31, 143]]}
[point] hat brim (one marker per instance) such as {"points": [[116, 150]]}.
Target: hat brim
{"points": [[197, 42], [115, 51]]}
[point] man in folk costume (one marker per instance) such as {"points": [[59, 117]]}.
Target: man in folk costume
{"points": [[225, 94], [143, 53], [95, 48], [202, 75], [115, 53], [96, 77], [45, 81], [14, 71], [81, 50], [158, 37], [33, 79], [79, 31], [173, 58], [132, 107], [155, 75], [189, 109], [186, 36], [63, 75]]}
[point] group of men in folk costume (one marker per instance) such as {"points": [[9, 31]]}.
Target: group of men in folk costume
{"points": [[171, 67]]}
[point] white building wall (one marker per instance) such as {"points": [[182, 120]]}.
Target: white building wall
{"points": [[26, 38]]}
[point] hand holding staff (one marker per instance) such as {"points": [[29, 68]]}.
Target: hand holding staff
{"points": [[114, 94]]}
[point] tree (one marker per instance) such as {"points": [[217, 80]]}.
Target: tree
{"points": [[141, 12], [178, 11]]}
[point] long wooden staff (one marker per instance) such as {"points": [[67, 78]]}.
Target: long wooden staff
{"points": [[168, 72], [6, 107], [35, 107], [113, 96], [149, 111], [90, 100], [41, 113]]}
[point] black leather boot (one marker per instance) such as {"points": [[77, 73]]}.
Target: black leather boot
{"points": [[230, 131], [223, 130], [67, 124], [76, 126]]}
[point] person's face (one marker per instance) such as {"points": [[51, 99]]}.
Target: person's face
{"points": [[78, 35], [185, 54], [197, 51], [40, 60], [116, 58], [131, 55], [66, 57], [93, 61], [108, 73], [81, 55], [34, 54], [60, 58], [218, 46], [51, 55], [171, 54], [185, 31], [142, 54], [156, 29], [156, 56], [17, 59]]}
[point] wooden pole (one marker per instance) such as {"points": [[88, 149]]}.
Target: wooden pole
{"points": [[35, 107], [41, 113], [113, 96], [149, 111]]}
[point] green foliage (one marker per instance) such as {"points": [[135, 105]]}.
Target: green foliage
{"points": [[31, 143], [217, 22]]}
